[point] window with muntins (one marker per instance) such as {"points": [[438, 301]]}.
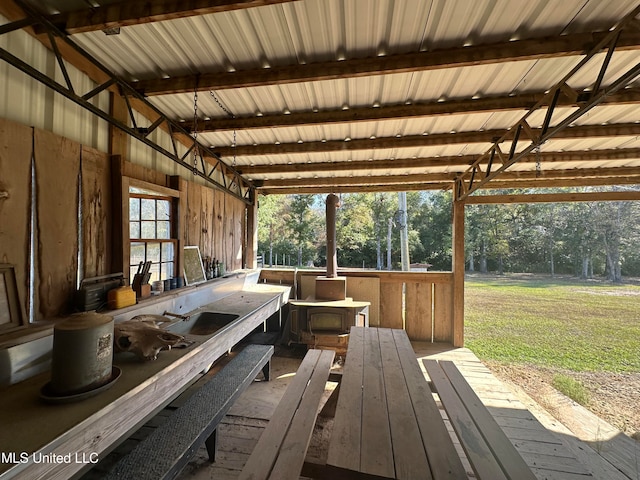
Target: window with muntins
{"points": [[150, 227]]}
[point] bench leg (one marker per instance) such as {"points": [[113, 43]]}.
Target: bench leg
{"points": [[266, 371], [212, 445], [329, 408]]}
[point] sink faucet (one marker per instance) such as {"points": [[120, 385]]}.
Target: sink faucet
{"points": [[176, 315]]}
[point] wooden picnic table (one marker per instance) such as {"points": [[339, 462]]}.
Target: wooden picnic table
{"points": [[387, 423]]}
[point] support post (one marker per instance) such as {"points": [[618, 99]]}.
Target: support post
{"points": [[118, 139], [458, 273]]}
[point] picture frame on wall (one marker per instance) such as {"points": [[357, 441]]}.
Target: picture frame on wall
{"points": [[193, 268], [10, 311]]}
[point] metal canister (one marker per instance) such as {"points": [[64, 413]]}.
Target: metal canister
{"points": [[82, 354]]}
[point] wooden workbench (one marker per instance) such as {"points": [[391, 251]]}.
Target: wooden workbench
{"points": [[79, 432]]}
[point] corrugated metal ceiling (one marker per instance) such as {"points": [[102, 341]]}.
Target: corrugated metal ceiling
{"points": [[310, 31]]}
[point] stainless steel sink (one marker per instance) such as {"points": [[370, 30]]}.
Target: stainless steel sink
{"points": [[203, 323]]}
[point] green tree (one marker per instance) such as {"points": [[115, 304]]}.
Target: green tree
{"points": [[355, 230], [431, 221], [271, 227], [304, 223]]}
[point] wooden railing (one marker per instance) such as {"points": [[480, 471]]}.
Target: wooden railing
{"points": [[419, 302]]}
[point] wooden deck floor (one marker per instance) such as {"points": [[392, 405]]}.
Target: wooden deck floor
{"points": [[548, 447]]}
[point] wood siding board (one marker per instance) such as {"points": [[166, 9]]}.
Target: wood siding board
{"points": [[15, 180], [419, 317], [366, 289], [218, 223], [241, 225], [206, 222], [57, 161], [96, 213], [391, 305], [117, 215], [194, 200], [442, 313], [233, 211]]}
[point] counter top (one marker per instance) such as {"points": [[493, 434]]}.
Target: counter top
{"points": [[346, 303], [80, 431]]}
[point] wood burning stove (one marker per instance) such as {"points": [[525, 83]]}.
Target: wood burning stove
{"points": [[326, 319], [326, 324]]}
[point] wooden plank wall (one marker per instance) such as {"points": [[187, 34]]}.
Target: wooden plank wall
{"points": [[57, 162], [419, 302], [15, 180], [210, 218], [96, 211], [214, 222], [419, 310]]}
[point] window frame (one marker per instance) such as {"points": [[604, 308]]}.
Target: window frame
{"points": [[134, 188]]}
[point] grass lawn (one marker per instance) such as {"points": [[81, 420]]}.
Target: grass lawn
{"points": [[567, 324]]}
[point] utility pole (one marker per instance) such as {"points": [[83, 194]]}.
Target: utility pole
{"points": [[389, 244], [404, 230]]}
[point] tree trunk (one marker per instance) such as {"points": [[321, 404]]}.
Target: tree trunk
{"points": [[552, 266], [483, 257], [500, 265], [378, 250], [271, 245], [585, 267], [472, 262], [612, 251]]}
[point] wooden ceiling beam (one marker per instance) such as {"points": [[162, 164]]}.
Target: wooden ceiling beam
{"points": [[509, 180], [567, 182], [430, 162], [368, 114], [128, 13], [418, 141], [517, 177], [633, 195], [357, 180], [399, 187], [529, 49]]}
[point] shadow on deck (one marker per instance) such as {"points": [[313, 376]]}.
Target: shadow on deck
{"points": [[549, 448]]}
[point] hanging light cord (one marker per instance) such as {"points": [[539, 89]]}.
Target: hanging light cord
{"points": [[195, 129], [228, 112]]}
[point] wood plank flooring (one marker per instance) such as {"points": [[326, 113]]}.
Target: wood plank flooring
{"points": [[549, 448]]}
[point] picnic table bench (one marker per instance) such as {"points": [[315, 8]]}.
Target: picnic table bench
{"points": [[387, 423], [490, 452], [283, 445], [166, 451]]}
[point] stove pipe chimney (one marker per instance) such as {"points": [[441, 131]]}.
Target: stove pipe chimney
{"points": [[332, 203]]}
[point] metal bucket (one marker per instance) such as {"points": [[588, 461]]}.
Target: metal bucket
{"points": [[82, 353]]}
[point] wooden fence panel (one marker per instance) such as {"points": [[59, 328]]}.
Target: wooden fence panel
{"points": [[419, 316], [425, 309]]}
